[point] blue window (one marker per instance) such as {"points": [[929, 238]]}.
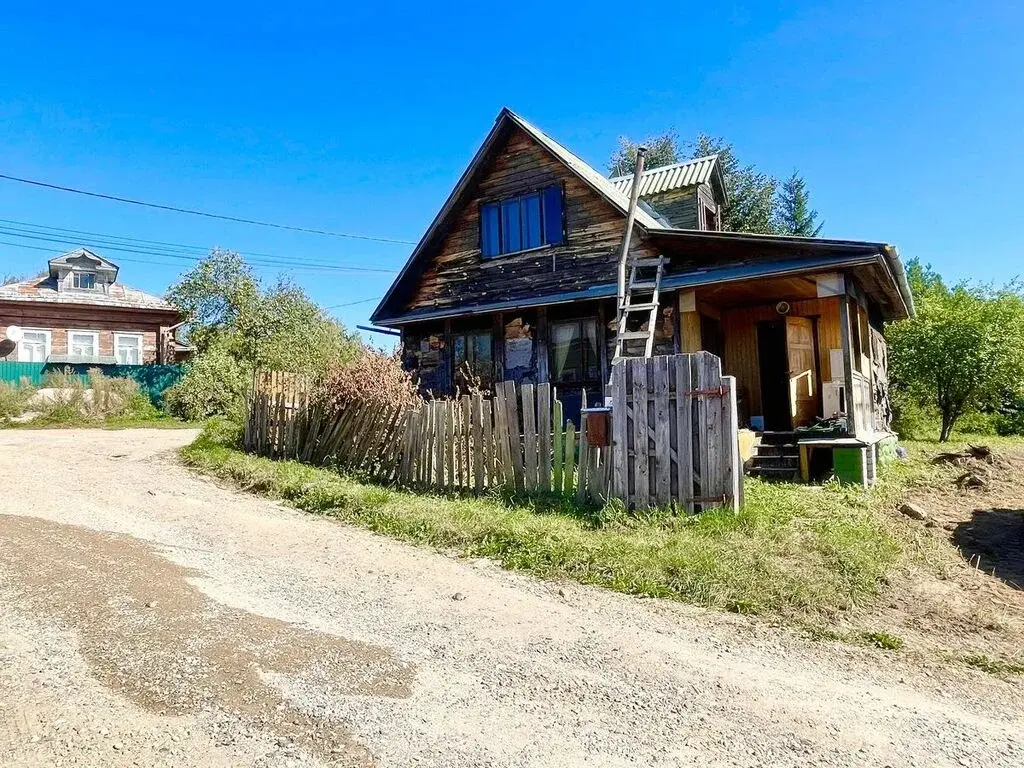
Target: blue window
{"points": [[553, 233], [511, 228], [532, 237], [490, 231], [522, 222]]}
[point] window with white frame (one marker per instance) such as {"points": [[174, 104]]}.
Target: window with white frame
{"points": [[83, 343], [85, 281], [128, 348], [34, 346]]}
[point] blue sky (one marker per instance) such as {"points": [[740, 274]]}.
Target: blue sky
{"points": [[905, 119]]}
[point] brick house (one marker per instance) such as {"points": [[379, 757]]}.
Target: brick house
{"points": [[79, 313]]}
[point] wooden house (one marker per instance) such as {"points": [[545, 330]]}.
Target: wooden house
{"points": [[515, 278], [79, 313]]}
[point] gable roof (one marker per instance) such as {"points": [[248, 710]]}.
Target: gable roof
{"points": [[78, 254], [505, 121], [667, 177]]}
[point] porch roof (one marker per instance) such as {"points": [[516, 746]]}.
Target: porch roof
{"points": [[692, 278]]}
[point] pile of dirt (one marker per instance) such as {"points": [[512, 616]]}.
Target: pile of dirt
{"points": [[967, 593]]}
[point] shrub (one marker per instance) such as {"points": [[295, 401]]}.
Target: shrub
{"points": [[373, 378], [13, 399], [66, 378], [103, 397], [214, 384]]}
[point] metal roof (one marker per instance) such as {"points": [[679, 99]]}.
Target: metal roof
{"points": [[44, 291], [655, 180]]}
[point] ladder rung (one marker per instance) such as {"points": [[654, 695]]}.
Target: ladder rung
{"points": [[642, 284], [649, 262], [639, 307], [628, 335]]}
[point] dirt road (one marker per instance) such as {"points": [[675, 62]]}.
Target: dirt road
{"points": [[148, 617]]}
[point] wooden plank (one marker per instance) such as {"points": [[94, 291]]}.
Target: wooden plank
{"points": [[557, 446], [439, 417], [530, 437], [730, 431], [712, 427], [544, 436], [454, 435], [583, 484], [466, 446], [502, 458], [515, 440], [662, 445], [569, 479], [487, 444], [620, 432], [684, 431], [641, 448]]}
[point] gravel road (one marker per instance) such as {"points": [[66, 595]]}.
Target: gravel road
{"points": [[150, 617]]}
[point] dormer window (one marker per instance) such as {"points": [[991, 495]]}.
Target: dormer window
{"points": [[522, 223], [85, 281]]}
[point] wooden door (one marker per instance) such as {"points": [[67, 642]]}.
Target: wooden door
{"points": [[803, 379]]}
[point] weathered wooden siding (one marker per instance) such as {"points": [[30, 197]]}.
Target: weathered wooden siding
{"points": [[456, 274], [739, 329], [679, 206]]}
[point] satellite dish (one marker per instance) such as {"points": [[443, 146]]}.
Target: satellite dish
{"points": [[14, 333], [7, 346], [782, 307]]}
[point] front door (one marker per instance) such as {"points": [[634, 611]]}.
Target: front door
{"points": [[803, 384]]}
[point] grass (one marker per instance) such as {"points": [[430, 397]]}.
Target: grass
{"points": [[994, 666], [792, 550]]}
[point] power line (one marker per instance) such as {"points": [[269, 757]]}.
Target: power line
{"points": [[205, 214], [163, 244], [262, 264], [352, 303], [156, 247]]}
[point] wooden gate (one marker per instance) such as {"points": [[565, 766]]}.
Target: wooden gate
{"points": [[674, 438]]}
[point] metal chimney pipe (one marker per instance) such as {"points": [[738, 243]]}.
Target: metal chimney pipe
{"points": [[634, 195]]}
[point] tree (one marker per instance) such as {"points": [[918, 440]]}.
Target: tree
{"points": [[238, 325], [795, 216], [963, 351], [752, 205], [661, 150]]}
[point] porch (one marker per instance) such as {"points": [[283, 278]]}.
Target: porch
{"points": [[804, 349]]}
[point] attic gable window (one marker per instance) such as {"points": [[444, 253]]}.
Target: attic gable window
{"points": [[85, 281], [522, 223]]}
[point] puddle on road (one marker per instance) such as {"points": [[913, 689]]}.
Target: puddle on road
{"points": [[153, 637]]}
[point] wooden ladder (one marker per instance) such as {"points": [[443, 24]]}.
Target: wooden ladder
{"points": [[644, 286]]}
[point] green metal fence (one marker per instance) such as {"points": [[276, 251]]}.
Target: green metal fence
{"points": [[152, 379]]}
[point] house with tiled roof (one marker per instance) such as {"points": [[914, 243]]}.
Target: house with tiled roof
{"points": [[79, 313]]}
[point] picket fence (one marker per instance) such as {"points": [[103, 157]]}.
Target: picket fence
{"points": [[517, 438], [674, 439]]}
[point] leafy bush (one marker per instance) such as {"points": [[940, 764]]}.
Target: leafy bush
{"points": [[373, 378], [214, 384], [13, 399], [1011, 417]]}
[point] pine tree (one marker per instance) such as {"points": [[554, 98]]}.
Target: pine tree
{"points": [[795, 215]]}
